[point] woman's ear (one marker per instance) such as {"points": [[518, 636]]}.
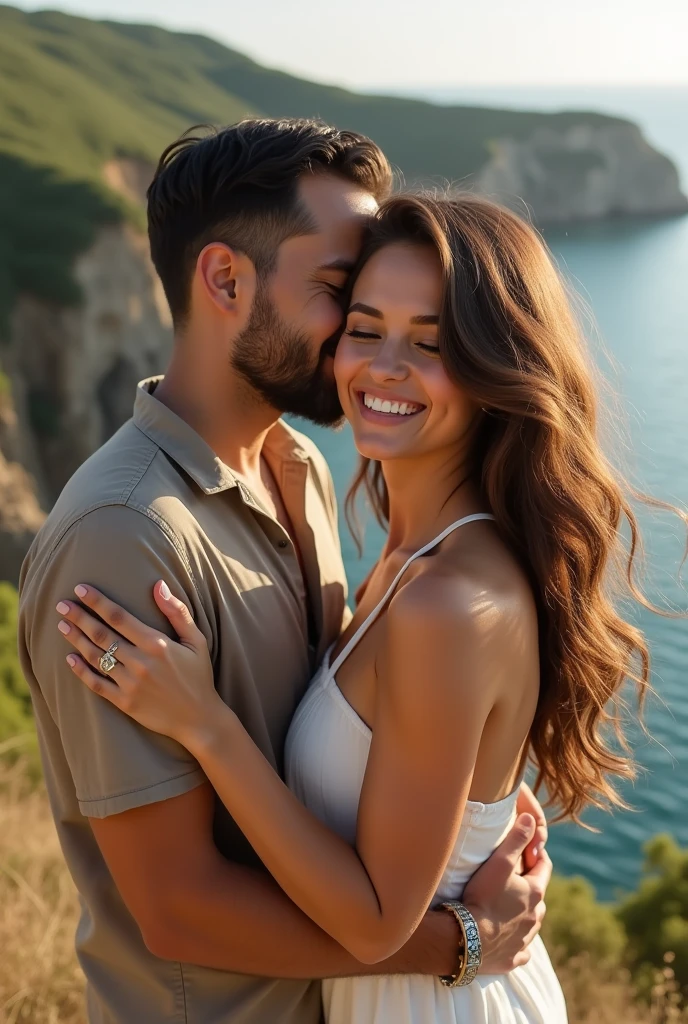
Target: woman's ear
{"points": [[227, 279]]}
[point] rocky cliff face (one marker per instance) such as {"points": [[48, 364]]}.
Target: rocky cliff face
{"points": [[586, 173], [73, 371], [73, 374], [20, 512]]}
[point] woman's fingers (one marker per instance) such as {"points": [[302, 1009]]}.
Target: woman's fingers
{"points": [[84, 624], [89, 651], [97, 683], [178, 615], [114, 615]]}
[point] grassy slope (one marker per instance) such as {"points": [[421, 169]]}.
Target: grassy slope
{"points": [[75, 93]]}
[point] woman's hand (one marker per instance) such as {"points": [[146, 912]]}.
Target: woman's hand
{"points": [[168, 687]]}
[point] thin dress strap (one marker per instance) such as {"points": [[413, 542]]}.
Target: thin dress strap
{"points": [[367, 623]]}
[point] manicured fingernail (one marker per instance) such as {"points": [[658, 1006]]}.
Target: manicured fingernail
{"points": [[165, 591], [64, 627], [71, 660], [80, 591], [62, 608]]}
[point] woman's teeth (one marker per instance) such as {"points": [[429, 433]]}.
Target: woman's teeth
{"points": [[394, 408]]}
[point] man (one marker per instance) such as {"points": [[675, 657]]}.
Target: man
{"points": [[253, 232]]}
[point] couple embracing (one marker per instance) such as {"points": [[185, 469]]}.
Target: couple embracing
{"points": [[275, 810]]}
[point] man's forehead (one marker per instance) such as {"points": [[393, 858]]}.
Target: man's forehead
{"points": [[334, 202], [340, 211]]}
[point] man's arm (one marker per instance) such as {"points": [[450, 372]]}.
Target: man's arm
{"points": [[194, 906]]}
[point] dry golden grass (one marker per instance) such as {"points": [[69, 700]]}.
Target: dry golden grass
{"points": [[40, 980], [595, 997]]}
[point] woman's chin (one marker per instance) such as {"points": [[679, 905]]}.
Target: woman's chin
{"points": [[377, 451]]}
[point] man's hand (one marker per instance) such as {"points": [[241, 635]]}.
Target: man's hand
{"points": [[528, 803], [507, 905]]}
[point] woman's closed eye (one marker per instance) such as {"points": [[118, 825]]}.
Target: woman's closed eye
{"points": [[365, 335]]}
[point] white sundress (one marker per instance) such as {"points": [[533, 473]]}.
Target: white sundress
{"points": [[326, 754]]}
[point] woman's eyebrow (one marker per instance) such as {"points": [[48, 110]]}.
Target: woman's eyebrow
{"points": [[425, 321]]}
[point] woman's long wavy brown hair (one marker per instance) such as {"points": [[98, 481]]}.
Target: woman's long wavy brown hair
{"points": [[510, 340]]}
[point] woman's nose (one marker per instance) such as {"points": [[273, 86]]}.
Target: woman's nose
{"points": [[388, 364]]}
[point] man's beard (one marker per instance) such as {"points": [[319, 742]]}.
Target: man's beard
{"points": [[276, 361]]}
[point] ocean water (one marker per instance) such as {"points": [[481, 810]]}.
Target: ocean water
{"points": [[634, 279]]}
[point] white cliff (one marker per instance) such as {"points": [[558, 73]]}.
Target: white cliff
{"points": [[586, 172]]}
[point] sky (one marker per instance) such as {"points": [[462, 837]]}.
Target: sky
{"points": [[368, 44]]}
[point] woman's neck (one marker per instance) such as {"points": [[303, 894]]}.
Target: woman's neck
{"points": [[425, 496]]}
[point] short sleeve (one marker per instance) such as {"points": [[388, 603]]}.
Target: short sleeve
{"points": [[115, 763]]}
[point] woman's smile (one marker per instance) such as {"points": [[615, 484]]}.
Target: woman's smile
{"points": [[392, 409]]}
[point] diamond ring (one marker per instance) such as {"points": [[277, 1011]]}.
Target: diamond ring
{"points": [[108, 661]]}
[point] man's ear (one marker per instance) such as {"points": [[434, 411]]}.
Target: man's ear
{"points": [[228, 280]]}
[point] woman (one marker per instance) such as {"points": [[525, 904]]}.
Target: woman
{"points": [[485, 632]]}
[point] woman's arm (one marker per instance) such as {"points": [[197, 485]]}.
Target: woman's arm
{"points": [[432, 704], [433, 697]]}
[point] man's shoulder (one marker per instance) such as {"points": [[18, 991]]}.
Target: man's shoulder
{"points": [[120, 480]]}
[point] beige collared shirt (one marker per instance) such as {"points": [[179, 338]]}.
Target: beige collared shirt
{"points": [[156, 503]]}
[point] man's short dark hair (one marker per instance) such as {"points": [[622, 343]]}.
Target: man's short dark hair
{"points": [[239, 185]]}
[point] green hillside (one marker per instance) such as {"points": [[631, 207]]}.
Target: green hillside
{"points": [[76, 93]]}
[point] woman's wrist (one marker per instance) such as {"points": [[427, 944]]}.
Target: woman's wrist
{"points": [[208, 731]]}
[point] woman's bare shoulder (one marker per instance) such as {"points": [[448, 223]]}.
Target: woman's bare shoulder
{"points": [[472, 591]]}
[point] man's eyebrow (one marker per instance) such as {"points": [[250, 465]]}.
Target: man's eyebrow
{"points": [[360, 307], [425, 321]]}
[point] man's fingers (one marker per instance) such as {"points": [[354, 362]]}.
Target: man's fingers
{"points": [[528, 803], [534, 849], [538, 877], [541, 872], [539, 918], [494, 874], [522, 958], [513, 847]]}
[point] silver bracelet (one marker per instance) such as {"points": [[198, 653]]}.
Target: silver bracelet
{"points": [[472, 955]]}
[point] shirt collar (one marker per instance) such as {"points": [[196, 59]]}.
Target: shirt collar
{"points": [[188, 449]]}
